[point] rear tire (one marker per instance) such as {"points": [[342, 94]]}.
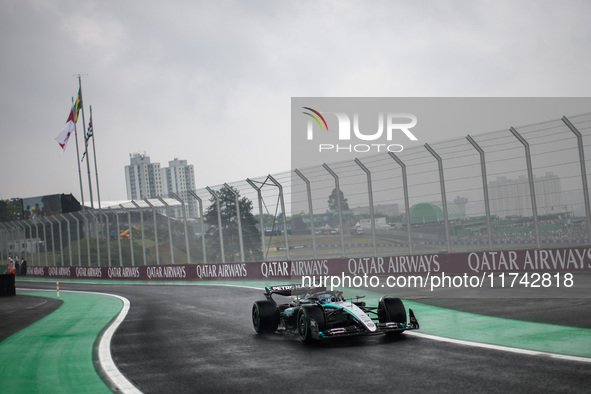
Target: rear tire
{"points": [[391, 309], [305, 317], [265, 317]]}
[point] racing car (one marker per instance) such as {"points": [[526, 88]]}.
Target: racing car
{"points": [[317, 314]]}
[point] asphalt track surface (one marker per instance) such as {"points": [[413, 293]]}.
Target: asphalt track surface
{"points": [[22, 311], [198, 338]]}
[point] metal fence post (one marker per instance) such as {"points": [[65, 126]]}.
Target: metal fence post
{"points": [[142, 229], [4, 246], [196, 197], [87, 234], [176, 197], [484, 189], [169, 228], [19, 228], [339, 206], [2, 237], [44, 241], [98, 249], [155, 229], [443, 195], [238, 220], [261, 218], [310, 209], [583, 173], [26, 223], [7, 238], [11, 239], [4, 242], [52, 240], [69, 239], [130, 234], [118, 235], [22, 225], [15, 236], [108, 235], [287, 252], [59, 227], [532, 189], [77, 238], [214, 194], [37, 243], [371, 208]]}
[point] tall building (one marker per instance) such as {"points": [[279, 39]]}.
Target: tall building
{"points": [[179, 178], [148, 180], [142, 178], [512, 196]]}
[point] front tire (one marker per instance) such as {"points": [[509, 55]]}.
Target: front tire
{"points": [[265, 317], [391, 309], [305, 326]]}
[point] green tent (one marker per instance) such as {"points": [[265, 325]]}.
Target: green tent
{"points": [[432, 212]]}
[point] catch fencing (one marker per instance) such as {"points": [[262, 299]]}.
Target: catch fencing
{"points": [[524, 188]]}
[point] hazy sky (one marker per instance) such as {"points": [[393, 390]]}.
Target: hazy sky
{"points": [[211, 81]]}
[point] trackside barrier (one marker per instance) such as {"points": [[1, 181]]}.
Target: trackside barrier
{"points": [[572, 260], [7, 285]]}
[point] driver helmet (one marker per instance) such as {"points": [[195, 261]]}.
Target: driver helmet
{"points": [[325, 298]]}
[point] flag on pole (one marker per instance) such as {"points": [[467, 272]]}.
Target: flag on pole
{"points": [[90, 129], [62, 138], [89, 132], [77, 105]]}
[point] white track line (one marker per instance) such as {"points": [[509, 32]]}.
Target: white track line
{"points": [[500, 347], [229, 285], [104, 353]]}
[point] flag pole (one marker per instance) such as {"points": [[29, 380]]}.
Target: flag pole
{"points": [[78, 157], [84, 129], [91, 126]]}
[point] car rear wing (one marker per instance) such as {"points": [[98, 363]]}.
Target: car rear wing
{"points": [[290, 290]]}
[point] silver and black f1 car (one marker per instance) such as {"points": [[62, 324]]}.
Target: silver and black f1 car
{"points": [[315, 314]]}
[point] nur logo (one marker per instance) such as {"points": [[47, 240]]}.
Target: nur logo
{"points": [[316, 119], [393, 122]]}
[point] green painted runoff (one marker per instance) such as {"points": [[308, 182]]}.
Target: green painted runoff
{"points": [[54, 354]]}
